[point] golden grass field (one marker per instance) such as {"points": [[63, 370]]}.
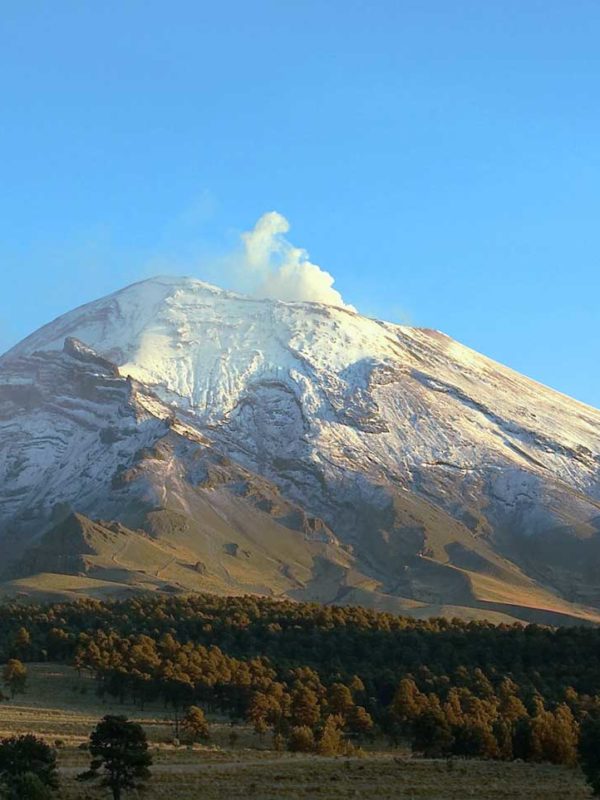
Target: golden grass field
{"points": [[63, 708]]}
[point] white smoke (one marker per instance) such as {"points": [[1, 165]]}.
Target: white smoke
{"points": [[275, 268]]}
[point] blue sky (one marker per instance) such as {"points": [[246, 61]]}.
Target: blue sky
{"points": [[440, 159]]}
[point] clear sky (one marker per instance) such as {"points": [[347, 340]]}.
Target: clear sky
{"points": [[440, 158]]}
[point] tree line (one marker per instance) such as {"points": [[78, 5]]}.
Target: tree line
{"points": [[325, 679]]}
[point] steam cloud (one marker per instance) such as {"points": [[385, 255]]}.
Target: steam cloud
{"points": [[275, 268]]}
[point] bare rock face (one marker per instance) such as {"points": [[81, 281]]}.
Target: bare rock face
{"points": [[402, 469]]}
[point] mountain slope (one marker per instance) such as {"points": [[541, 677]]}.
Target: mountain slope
{"points": [[436, 475], [75, 435]]}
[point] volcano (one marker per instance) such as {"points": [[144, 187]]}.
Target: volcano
{"points": [[176, 437]]}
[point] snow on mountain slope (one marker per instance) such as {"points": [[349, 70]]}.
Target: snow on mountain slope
{"points": [[416, 396], [394, 436], [77, 439], [66, 421]]}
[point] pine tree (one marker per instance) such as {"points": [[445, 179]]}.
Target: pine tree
{"points": [[432, 735], [120, 746], [15, 676], [340, 699], [558, 735], [195, 724], [305, 707], [360, 722], [408, 704], [22, 642], [330, 739], [301, 739], [27, 768]]}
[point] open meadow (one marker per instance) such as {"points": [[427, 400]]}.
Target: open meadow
{"points": [[63, 707]]}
